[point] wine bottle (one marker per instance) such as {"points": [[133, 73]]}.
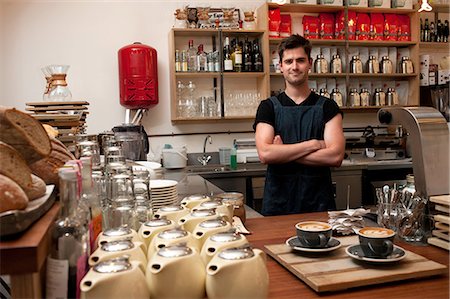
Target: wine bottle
{"points": [[227, 62], [192, 57], [257, 57], [247, 57], [238, 57], [202, 61]]}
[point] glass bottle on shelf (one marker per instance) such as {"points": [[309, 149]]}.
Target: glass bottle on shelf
{"points": [[192, 57], [421, 31], [181, 99], [439, 31], [177, 61], [227, 62], [432, 32], [237, 57], [247, 56], [191, 107], [445, 32], [426, 31], [257, 57], [184, 61], [202, 61], [67, 263]]}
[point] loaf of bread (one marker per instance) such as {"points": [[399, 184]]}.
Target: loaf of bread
{"points": [[47, 168], [37, 189], [14, 166], [25, 133], [12, 197]]}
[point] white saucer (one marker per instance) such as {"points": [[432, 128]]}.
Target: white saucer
{"points": [[155, 184], [295, 244], [356, 252], [149, 164]]}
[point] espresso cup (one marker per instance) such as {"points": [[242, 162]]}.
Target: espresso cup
{"points": [[376, 242], [313, 233]]}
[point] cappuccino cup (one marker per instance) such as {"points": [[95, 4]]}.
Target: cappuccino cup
{"points": [[376, 242], [313, 233]]}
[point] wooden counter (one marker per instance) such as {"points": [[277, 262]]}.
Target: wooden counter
{"points": [[283, 284]]}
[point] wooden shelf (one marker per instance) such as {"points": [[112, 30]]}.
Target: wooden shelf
{"points": [[363, 75], [243, 74], [197, 74], [427, 45], [352, 43], [309, 8], [440, 8], [314, 42]]}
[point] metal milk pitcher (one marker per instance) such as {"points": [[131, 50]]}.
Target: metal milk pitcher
{"points": [[336, 64], [406, 65], [354, 98], [386, 65], [324, 93], [365, 97], [391, 97], [379, 97]]}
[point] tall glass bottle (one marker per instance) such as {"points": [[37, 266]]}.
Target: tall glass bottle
{"points": [[192, 57], [247, 56], [67, 263], [237, 57], [227, 62], [426, 31], [257, 57], [202, 61]]}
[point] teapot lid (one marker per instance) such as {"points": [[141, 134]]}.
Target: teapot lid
{"points": [[118, 245], [158, 222], [211, 203], [196, 197], [175, 233], [237, 253], [117, 231], [175, 251], [170, 208], [118, 264], [213, 223], [228, 236], [203, 212]]}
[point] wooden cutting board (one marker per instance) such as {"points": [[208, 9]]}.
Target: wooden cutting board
{"points": [[335, 270]]}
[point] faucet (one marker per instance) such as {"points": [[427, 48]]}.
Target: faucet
{"points": [[205, 159]]}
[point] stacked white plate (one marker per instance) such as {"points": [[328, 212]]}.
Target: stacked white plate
{"points": [[164, 193], [155, 169]]}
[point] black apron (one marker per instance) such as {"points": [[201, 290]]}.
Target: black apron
{"points": [[292, 188]]}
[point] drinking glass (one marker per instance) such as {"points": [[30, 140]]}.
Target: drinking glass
{"points": [[87, 146]]}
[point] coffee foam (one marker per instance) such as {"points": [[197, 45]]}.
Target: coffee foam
{"points": [[375, 232], [313, 226]]}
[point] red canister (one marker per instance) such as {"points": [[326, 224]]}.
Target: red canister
{"points": [[138, 76]]}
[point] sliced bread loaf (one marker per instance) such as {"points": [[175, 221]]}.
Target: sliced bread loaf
{"points": [[14, 166], [25, 133], [12, 197]]}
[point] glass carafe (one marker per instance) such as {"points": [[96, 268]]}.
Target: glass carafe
{"points": [[59, 90]]}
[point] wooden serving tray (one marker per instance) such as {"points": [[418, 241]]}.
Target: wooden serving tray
{"points": [[57, 103], [335, 270]]}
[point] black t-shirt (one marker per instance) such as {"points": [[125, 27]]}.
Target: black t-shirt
{"points": [[266, 113]]}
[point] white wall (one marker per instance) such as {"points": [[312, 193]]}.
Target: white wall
{"points": [[86, 35]]}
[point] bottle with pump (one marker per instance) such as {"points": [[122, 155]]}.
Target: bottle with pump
{"points": [[233, 158]]}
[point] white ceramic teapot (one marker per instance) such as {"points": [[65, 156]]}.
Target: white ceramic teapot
{"points": [[117, 233], [222, 209], [151, 228], [176, 271], [135, 250], [220, 241], [112, 279], [173, 213], [194, 200], [243, 268], [171, 237], [190, 221], [209, 227]]}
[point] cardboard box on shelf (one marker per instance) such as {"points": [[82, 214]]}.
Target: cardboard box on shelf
{"points": [[380, 3], [443, 76], [402, 4]]}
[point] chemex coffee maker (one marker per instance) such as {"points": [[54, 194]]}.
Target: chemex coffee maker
{"points": [[56, 89]]}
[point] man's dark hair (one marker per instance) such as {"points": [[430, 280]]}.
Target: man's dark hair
{"points": [[292, 42]]}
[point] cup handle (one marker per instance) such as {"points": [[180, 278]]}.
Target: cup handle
{"points": [[387, 244], [322, 240]]}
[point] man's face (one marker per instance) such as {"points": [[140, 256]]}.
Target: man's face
{"points": [[295, 66]]}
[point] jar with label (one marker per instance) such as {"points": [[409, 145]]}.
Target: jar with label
{"points": [[336, 96], [386, 65], [336, 64], [373, 66], [391, 97], [356, 65], [365, 97], [324, 93], [321, 65], [354, 98], [379, 97], [406, 65]]}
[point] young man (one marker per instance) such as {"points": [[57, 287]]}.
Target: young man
{"points": [[299, 135]]}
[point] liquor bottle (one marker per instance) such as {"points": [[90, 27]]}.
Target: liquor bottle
{"points": [[67, 263], [439, 31], [202, 61], [247, 56], [426, 32], [421, 31], [233, 43], [177, 61], [192, 57], [227, 62], [184, 61], [445, 32], [257, 57], [237, 57], [432, 32]]}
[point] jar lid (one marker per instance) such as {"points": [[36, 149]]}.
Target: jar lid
{"points": [[237, 253]]}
